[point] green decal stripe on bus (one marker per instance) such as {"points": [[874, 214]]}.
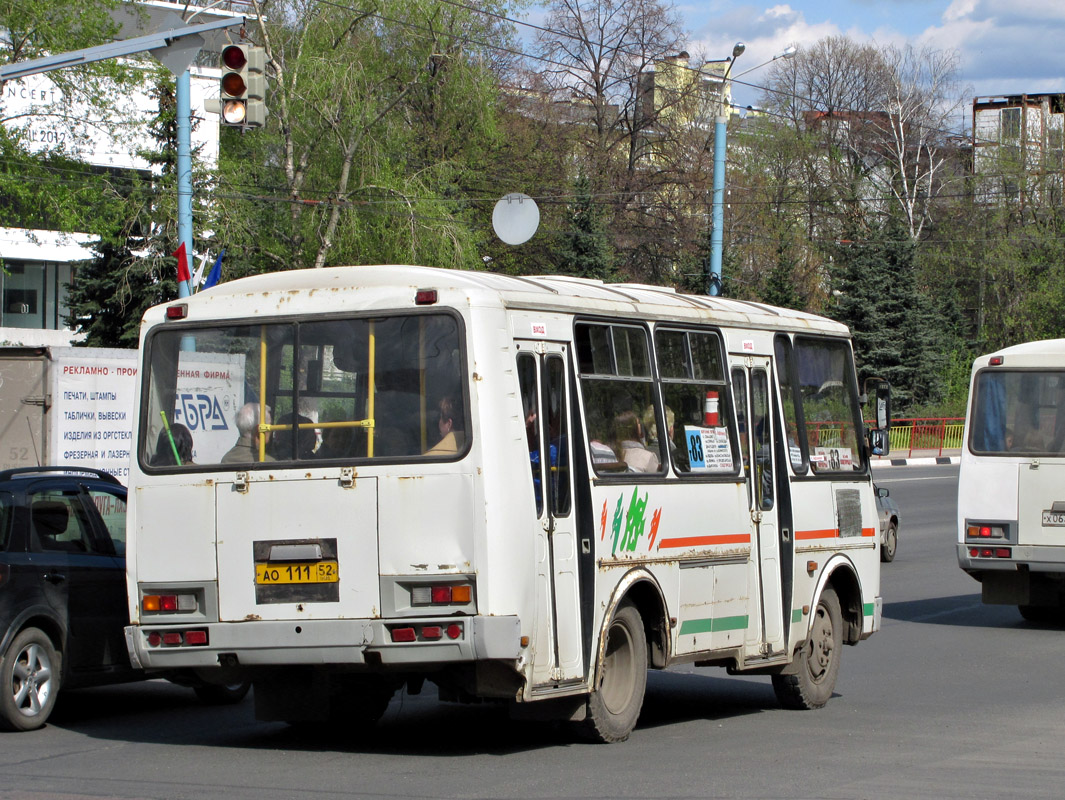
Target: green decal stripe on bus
{"points": [[868, 609], [713, 624], [796, 615]]}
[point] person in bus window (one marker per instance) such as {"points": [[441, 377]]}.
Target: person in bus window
{"points": [[449, 423], [281, 442], [182, 443], [247, 447], [650, 426], [630, 445]]}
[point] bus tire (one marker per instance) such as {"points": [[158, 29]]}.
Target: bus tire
{"points": [[812, 685], [614, 706], [1042, 615], [891, 543], [29, 672]]}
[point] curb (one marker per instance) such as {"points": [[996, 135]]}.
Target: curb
{"points": [[916, 462]]}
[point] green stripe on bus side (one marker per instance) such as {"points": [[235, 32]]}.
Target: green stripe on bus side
{"points": [[796, 615], [712, 624], [868, 609]]}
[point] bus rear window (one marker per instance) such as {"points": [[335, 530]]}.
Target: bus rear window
{"points": [[299, 391], [1018, 413]]}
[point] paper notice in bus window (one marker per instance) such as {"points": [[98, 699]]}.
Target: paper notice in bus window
{"points": [[833, 459], [708, 449]]}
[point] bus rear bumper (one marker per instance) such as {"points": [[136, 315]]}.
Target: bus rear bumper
{"points": [[313, 642], [1032, 575]]}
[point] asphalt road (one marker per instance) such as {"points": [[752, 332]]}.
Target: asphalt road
{"points": [[950, 700]]}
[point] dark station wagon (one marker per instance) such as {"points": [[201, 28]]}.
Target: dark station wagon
{"points": [[63, 591]]}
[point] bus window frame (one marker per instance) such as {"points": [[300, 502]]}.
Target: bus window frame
{"points": [[724, 387], [216, 323], [863, 469], [971, 414]]}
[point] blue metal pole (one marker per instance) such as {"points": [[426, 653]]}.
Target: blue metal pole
{"points": [[718, 219], [184, 170]]}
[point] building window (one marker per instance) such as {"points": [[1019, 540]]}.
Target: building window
{"points": [[34, 295], [1011, 123]]}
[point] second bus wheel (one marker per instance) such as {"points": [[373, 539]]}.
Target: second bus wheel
{"points": [[614, 707], [818, 659]]}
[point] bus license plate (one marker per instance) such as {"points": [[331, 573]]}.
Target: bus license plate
{"points": [[296, 572], [1054, 519]]}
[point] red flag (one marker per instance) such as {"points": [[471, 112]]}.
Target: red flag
{"points": [[182, 264]]}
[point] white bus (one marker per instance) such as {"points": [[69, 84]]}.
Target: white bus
{"points": [[1011, 486], [530, 489]]}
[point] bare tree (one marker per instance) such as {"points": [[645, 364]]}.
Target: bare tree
{"points": [[921, 97]]}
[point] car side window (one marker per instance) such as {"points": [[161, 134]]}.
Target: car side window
{"points": [[112, 509], [59, 522]]}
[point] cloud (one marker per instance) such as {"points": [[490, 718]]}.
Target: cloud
{"points": [[1006, 46]]}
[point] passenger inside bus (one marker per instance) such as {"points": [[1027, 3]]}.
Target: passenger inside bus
{"points": [[280, 446], [630, 443], [247, 447], [177, 438], [449, 423]]}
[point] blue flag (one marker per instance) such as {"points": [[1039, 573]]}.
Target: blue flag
{"points": [[215, 274]]}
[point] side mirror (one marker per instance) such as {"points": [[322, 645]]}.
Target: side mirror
{"points": [[883, 405], [879, 441]]}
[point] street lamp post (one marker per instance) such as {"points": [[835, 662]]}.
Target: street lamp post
{"points": [[720, 134]]}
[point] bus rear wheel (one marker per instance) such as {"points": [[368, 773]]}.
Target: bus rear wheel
{"points": [[614, 707], [812, 685]]}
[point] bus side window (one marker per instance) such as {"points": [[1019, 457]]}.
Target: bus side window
{"points": [[615, 364], [696, 402], [529, 405]]}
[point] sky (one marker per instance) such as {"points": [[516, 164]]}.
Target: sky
{"points": [[1004, 46]]}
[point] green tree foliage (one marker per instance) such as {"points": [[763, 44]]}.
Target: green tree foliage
{"points": [[897, 334], [585, 249], [135, 268], [381, 116]]}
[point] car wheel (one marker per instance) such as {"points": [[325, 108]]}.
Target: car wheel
{"points": [[812, 685], [614, 707], [29, 672], [222, 694], [890, 544]]}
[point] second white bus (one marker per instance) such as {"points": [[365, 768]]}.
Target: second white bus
{"points": [[1011, 484], [529, 489]]}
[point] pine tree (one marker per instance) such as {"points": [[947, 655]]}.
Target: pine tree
{"points": [[897, 333], [110, 294], [585, 248]]}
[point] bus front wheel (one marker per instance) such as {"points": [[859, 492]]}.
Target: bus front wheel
{"points": [[614, 707], [811, 686]]}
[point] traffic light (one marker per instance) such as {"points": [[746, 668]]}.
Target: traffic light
{"points": [[243, 86]]}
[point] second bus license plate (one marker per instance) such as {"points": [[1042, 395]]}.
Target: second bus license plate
{"points": [[313, 572]]}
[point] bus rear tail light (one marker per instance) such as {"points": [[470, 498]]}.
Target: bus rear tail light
{"points": [[441, 595], [168, 603], [194, 638], [425, 633], [985, 532], [990, 552]]}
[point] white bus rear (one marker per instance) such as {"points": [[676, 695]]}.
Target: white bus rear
{"points": [[530, 489], [1011, 486]]}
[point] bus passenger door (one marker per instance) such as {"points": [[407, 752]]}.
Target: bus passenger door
{"points": [[542, 373], [765, 639]]}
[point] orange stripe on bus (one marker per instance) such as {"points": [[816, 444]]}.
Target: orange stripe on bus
{"points": [[831, 533], [696, 541]]}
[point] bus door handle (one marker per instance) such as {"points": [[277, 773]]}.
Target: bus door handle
{"points": [[240, 482]]}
